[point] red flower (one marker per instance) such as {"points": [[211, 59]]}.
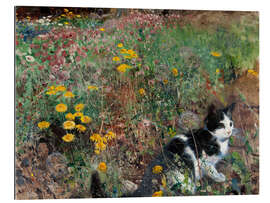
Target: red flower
{"points": [[78, 58]]}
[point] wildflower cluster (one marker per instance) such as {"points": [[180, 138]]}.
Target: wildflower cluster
{"points": [[101, 141]]}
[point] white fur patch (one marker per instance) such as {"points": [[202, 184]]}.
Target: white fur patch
{"points": [[182, 137]]}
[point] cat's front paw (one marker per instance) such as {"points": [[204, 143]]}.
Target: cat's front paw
{"points": [[220, 178]]}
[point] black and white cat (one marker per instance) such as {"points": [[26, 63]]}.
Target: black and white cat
{"points": [[188, 157]]}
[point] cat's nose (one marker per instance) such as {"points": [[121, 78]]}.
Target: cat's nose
{"points": [[229, 132]]}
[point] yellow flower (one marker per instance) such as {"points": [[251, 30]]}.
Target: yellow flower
{"points": [[68, 125], [61, 107], [157, 169], [69, 94], [127, 57], [96, 137], [65, 10], [79, 107], [253, 72], [70, 13], [78, 114], [110, 135], [102, 29], [123, 67], [130, 51], [78, 16], [217, 70], [86, 119], [100, 146], [81, 128], [60, 88], [97, 151], [91, 87], [215, 54], [158, 194], [66, 23], [116, 58], [68, 137], [175, 72], [134, 55], [70, 116], [52, 87], [123, 51], [102, 167], [165, 82], [142, 91], [120, 45], [63, 15], [43, 124], [52, 92]]}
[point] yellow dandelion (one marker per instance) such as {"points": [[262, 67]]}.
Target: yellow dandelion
{"points": [[78, 114], [52, 92], [120, 45], [80, 128], [130, 51], [68, 137], [92, 87], [96, 137], [123, 51], [79, 107], [66, 10], [134, 55], [86, 119], [52, 87], [97, 151], [70, 13], [60, 88], [66, 23], [165, 82], [102, 29], [63, 15], [158, 194], [215, 54], [70, 116], [102, 167], [61, 107], [157, 169], [43, 124], [175, 72], [69, 94], [142, 91], [217, 70], [100, 146], [128, 57], [68, 125], [78, 16], [253, 72], [110, 135], [116, 58], [121, 69]]}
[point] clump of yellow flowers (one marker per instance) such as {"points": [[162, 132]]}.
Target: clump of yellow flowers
{"points": [[101, 141]]}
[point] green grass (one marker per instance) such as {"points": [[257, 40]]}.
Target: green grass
{"points": [[185, 48]]}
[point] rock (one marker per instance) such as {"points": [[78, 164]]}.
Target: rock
{"points": [[128, 186], [57, 165]]}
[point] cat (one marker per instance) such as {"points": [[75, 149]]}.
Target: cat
{"points": [[188, 157]]}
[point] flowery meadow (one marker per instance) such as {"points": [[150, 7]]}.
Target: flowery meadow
{"points": [[107, 92]]}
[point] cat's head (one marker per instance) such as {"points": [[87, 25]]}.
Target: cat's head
{"points": [[219, 122]]}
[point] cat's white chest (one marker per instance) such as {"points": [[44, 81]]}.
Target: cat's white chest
{"points": [[224, 146]]}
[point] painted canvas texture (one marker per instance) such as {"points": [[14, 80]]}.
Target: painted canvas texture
{"points": [[114, 103]]}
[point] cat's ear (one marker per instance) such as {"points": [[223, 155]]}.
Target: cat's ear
{"points": [[212, 109], [228, 111]]}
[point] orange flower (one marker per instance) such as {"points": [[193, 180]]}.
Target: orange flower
{"points": [[102, 167]]}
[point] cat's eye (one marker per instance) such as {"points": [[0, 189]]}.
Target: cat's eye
{"points": [[231, 124]]}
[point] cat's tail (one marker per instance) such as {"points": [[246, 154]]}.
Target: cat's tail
{"points": [[96, 189]]}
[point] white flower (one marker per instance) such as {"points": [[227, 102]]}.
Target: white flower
{"points": [[60, 24], [30, 58]]}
